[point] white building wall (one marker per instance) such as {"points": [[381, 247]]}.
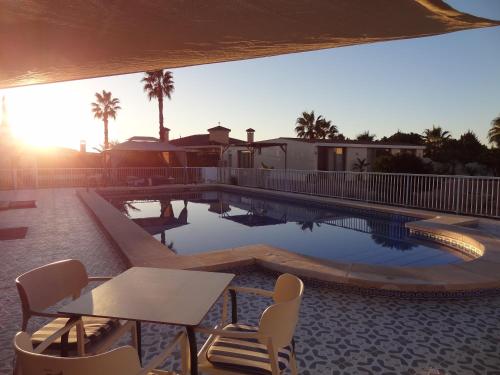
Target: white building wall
{"points": [[304, 155], [300, 155]]}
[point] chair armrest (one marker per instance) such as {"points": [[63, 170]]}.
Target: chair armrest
{"points": [[99, 278], [61, 331], [160, 358], [262, 292]]}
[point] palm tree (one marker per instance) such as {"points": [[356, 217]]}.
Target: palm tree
{"points": [[308, 126], [436, 136], [325, 129], [494, 132], [105, 107], [158, 84], [360, 165], [366, 137]]}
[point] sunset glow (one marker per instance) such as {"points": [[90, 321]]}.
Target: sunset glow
{"points": [[52, 115]]}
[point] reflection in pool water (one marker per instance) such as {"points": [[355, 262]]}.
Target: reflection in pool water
{"points": [[195, 222]]}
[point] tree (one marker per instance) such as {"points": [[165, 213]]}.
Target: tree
{"points": [[469, 149], [404, 138], [436, 136], [494, 132], [332, 132], [159, 84], [309, 127], [325, 129], [360, 165], [403, 162], [105, 107], [366, 137]]}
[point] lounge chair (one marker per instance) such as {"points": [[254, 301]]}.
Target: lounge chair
{"points": [[46, 286], [267, 349], [123, 360]]}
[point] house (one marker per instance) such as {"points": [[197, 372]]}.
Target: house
{"points": [[218, 149], [146, 152], [324, 154]]}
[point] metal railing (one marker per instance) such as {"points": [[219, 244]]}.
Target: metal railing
{"points": [[469, 195], [100, 177]]}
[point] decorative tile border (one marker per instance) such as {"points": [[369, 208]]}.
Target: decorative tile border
{"points": [[458, 245]]}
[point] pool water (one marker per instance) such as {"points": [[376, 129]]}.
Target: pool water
{"points": [[196, 222]]}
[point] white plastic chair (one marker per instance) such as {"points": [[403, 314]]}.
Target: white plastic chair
{"points": [[120, 361], [266, 349], [48, 285]]}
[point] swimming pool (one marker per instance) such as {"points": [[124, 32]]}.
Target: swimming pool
{"points": [[193, 222]]}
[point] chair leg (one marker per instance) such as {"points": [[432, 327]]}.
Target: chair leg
{"points": [[80, 339], [293, 364], [185, 363]]}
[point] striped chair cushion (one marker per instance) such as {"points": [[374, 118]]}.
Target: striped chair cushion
{"points": [[94, 328], [247, 356]]}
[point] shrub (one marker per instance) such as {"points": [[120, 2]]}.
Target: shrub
{"points": [[401, 163]]}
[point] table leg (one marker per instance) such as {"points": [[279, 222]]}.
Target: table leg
{"points": [[64, 344], [193, 350], [139, 339], [234, 306]]}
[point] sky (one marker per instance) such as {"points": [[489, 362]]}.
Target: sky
{"points": [[451, 80]]}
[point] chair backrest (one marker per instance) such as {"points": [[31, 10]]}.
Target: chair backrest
{"points": [[279, 320], [123, 361], [47, 285], [287, 287]]}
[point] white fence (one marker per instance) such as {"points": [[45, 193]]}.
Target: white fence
{"points": [[95, 177], [470, 195]]}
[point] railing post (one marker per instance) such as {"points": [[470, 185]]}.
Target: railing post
{"points": [[36, 177], [14, 178]]}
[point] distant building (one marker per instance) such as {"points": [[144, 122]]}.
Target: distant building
{"points": [[217, 148], [146, 152], [326, 155]]}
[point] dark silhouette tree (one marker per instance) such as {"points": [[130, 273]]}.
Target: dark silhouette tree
{"points": [[401, 163], [103, 108], [468, 148], [159, 84], [494, 132], [404, 138], [330, 130], [366, 137], [436, 136], [307, 125], [360, 165]]}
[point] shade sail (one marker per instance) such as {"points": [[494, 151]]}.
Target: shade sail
{"points": [[55, 40]]}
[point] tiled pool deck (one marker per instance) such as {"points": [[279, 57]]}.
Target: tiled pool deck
{"points": [[340, 332]]}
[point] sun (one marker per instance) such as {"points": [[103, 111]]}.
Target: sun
{"points": [[51, 115]]}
